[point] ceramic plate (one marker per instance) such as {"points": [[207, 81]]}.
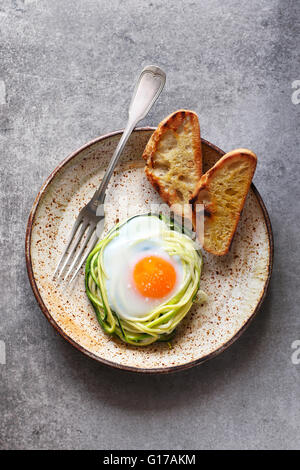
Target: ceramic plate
{"points": [[235, 284]]}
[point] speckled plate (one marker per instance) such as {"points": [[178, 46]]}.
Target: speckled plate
{"points": [[236, 284]]}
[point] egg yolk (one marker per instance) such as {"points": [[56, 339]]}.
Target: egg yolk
{"points": [[154, 277]]}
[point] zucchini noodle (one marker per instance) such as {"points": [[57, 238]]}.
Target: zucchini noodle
{"points": [[160, 323]]}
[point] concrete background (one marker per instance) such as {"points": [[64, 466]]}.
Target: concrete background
{"points": [[67, 69]]}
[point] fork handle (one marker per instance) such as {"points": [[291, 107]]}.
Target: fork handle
{"points": [[148, 88]]}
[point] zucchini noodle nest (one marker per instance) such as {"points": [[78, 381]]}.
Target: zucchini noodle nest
{"points": [[159, 324]]}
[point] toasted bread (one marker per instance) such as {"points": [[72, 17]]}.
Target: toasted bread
{"points": [[174, 158], [222, 191]]}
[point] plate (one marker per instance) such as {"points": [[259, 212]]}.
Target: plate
{"points": [[236, 283]]}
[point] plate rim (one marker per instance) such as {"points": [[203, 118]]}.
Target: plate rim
{"points": [[44, 309]]}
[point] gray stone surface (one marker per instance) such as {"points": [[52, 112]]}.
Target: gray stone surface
{"points": [[67, 69]]}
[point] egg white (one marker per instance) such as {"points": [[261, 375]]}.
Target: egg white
{"points": [[138, 238]]}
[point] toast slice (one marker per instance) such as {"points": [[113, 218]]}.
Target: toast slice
{"points": [[174, 158], [222, 191]]}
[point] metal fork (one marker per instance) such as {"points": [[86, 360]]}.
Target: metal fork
{"points": [[148, 88]]}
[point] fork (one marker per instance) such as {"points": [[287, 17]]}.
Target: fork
{"points": [[148, 88]]}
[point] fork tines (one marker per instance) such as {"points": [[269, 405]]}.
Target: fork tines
{"points": [[81, 241]]}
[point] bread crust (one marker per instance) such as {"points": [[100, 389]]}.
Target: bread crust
{"points": [[176, 125], [205, 194]]}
